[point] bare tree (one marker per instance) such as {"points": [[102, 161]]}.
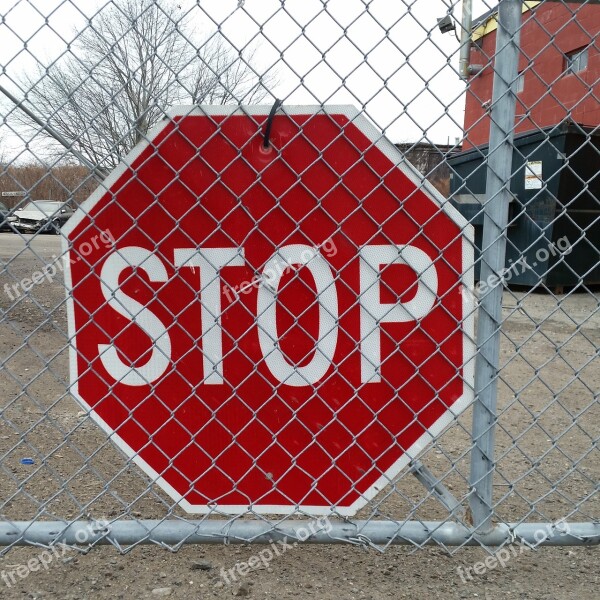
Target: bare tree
{"points": [[134, 61], [3, 153]]}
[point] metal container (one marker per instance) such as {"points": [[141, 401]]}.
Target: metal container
{"points": [[554, 215]]}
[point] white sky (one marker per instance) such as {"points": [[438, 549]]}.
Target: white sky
{"points": [[373, 54]]}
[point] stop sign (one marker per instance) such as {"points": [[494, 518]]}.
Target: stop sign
{"points": [[273, 328]]}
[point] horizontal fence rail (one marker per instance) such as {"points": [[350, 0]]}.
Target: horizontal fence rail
{"points": [[374, 534]]}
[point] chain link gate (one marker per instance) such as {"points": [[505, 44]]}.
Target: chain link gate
{"points": [[522, 462]]}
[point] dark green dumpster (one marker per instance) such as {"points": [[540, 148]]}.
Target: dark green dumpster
{"points": [[554, 216]]}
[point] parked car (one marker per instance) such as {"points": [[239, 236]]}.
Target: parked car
{"points": [[43, 216], [5, 218]]}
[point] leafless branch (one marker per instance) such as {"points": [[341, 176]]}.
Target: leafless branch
{"points": [[135, 60]]}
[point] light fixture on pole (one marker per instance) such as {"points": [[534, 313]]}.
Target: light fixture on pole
{"points": [[446, 24]]}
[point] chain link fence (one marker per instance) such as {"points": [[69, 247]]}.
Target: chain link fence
{"points": [[426, 372]]}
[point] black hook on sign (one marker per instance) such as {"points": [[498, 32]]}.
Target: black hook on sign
{"points": [[274, 109]]}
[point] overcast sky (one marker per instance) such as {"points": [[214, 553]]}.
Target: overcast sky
{"points": [[386, 57]]}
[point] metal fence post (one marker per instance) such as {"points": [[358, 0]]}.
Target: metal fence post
{"points": [[493, 254]]}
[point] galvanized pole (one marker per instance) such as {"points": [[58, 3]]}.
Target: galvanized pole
{"points": [[99, 173], [465, 39], [493, 256]]}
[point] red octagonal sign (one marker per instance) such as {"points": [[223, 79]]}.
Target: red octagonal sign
{"points": [[272, 328]]}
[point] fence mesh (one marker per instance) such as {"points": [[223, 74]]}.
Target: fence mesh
{"points": [[123, 386]]}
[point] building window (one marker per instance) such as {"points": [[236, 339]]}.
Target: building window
{"points": [[520, 83], [576, 61]]}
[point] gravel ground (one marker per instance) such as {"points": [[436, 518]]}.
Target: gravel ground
{"points": [[548, 468]]}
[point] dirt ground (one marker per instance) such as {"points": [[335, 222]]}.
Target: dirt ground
{"points": [[547, 450]]}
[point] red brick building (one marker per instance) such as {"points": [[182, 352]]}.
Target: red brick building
{"points": [[559, 69]]}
